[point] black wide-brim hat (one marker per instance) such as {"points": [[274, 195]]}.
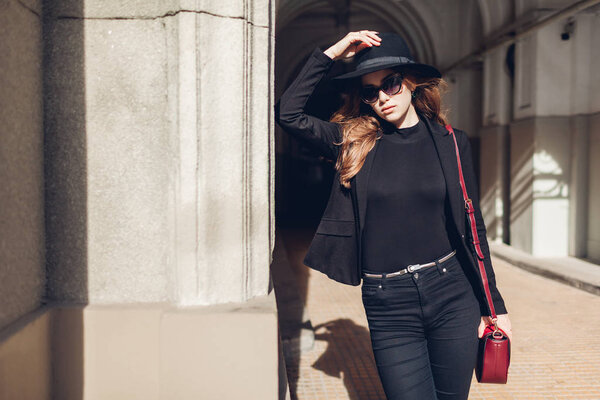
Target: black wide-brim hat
{"points": [[391, 52]]}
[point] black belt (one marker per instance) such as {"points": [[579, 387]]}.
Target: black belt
{"points": [[410, 268]]}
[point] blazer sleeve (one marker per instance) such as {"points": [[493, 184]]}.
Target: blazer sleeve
{"points": [[473, 192], [317, 134]]}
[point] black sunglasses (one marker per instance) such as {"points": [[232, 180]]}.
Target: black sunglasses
{"points": [[390, 86]]}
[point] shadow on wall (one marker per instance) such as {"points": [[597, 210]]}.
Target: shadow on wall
{"points": [[65, 174], [521, 183]]}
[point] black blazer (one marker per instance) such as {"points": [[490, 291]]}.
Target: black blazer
{"points": [[336, 247]]}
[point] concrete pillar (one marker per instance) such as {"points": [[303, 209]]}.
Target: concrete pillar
{"points": [[495, 144], [540, 179], [494, 181], [158, 205], [551, 87], [580, 173], [160, 134], [521, 184], [593, 215], [551, 182]]}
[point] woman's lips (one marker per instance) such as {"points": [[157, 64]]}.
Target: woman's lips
{"points": [[388, 109]]}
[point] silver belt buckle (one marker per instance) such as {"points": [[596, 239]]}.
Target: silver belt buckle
{"points": [[413, 267]]}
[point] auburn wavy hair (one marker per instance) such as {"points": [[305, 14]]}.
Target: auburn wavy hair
{"points": [[360, 124]]}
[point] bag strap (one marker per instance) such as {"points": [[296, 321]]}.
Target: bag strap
{"points": [[470, 210]]}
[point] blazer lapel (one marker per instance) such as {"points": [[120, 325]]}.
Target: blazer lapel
{"points": [[361, 180], [447, 154]]}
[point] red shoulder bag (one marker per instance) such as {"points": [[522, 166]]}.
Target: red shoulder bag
{"points": [[494, 346]]}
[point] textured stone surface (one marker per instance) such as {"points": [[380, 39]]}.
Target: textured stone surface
{"points": [[129, 162], [254, 12], [112, 108], [233, 160], [221, 157], [159, 130]]}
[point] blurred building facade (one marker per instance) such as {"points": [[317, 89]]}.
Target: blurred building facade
{"points": [[138, 164]]}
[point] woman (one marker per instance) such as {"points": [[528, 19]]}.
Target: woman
{"points": [[394, 217]]}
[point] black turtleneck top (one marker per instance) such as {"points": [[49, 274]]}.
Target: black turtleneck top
{"points": [[407, 208]]}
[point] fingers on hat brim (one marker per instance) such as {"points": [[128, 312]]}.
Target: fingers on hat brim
{"points": [[423, 70]]}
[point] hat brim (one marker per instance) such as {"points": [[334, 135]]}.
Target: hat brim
{"points": [[422, 69]]}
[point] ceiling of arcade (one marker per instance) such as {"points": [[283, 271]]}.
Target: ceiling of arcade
{"points": [[438, 32]]}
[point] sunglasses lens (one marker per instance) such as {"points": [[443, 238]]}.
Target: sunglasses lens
{"points": [[369, 94], [392, 85]]}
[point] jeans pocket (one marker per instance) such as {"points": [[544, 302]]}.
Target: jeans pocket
{"points": [[454, 270], [370, 289]]}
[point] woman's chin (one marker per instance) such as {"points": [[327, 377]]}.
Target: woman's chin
{"points": [[392, 118]]}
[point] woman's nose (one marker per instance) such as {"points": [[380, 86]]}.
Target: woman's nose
{"points": [[382, 96]]}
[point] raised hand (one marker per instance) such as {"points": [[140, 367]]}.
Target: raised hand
{"points": [[352, 43]]}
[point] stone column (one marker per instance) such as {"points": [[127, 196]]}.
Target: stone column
{"points": [[160, 153], [160, 198], [552, 86], [495, 179]]}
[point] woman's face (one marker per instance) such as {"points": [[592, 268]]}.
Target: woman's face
{"points": [[390, 108]]}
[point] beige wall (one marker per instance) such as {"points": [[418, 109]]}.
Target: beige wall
{"points": [[22, 264], [26, 357], [143, 352]]}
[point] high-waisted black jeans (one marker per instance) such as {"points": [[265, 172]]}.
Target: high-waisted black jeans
{"points": [[423, 328]]}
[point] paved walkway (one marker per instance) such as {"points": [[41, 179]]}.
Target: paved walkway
{"points": [[555, 349]]}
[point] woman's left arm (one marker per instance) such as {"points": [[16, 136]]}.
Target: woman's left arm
{"points": [[473, 192]]}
